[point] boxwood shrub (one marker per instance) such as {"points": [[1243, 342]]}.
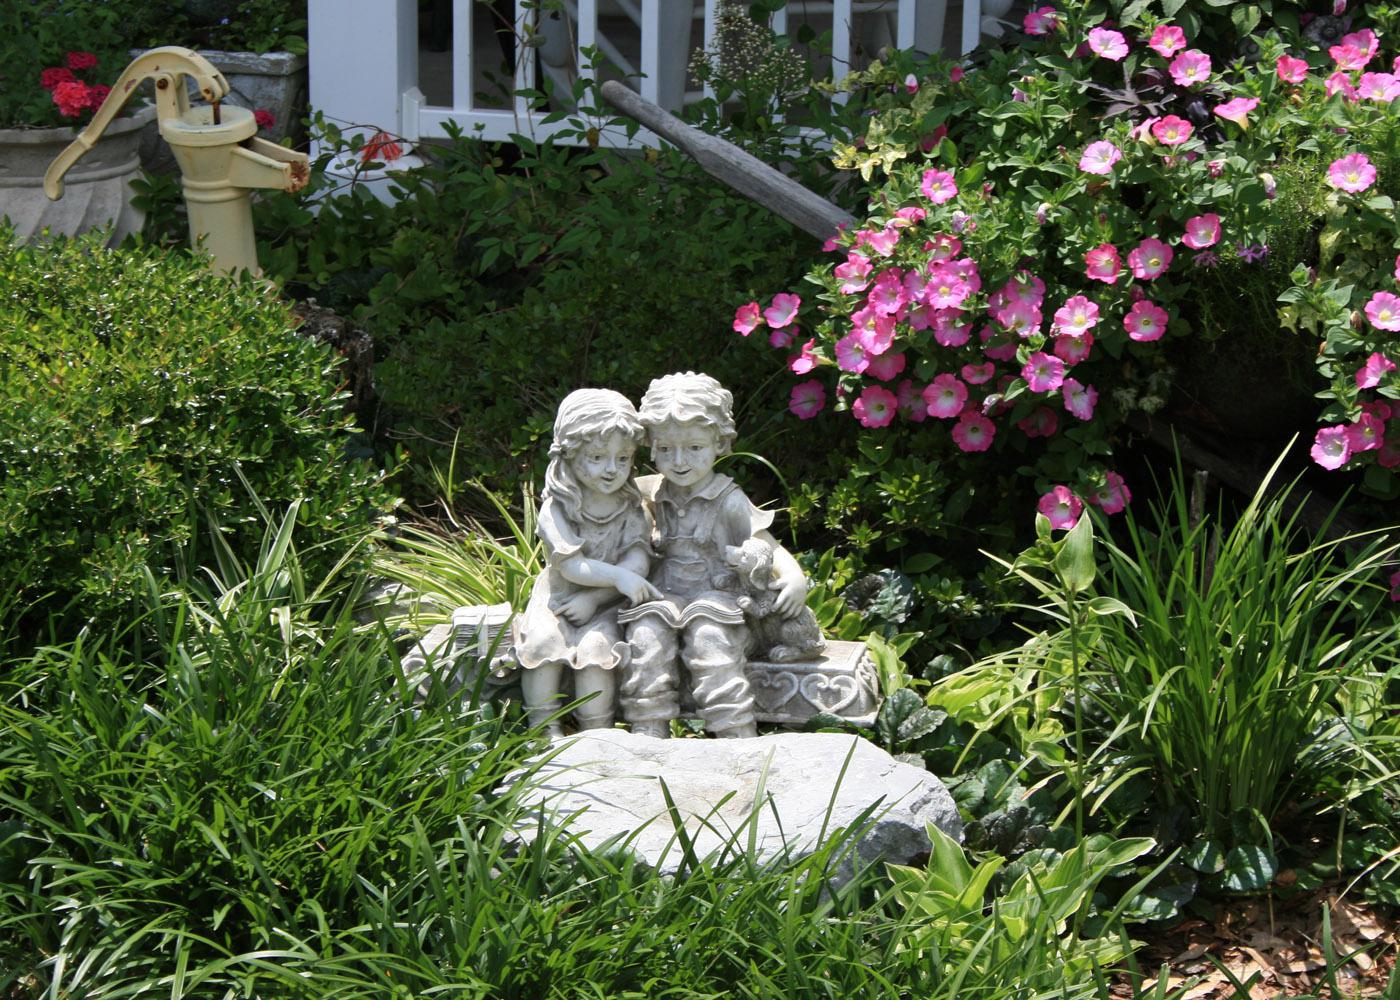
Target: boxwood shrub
{"points": [[143, 401]]}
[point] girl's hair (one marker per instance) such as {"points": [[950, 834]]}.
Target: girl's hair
{"points": [[585, 415], [691, 398]]}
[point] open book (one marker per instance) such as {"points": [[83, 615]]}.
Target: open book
{"points": [[677, 618]]}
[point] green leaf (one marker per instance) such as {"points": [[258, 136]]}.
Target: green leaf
{"points": [[1205, 856], [1074, 563], [1105, 607], [1249, 868]]}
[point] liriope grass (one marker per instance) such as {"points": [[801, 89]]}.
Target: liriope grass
{"points": [[257, 809]]}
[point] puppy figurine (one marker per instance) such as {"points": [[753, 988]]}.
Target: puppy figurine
{"points": [[776, 639]]}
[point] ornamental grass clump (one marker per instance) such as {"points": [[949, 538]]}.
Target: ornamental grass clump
{"points": [[1044, 226]]}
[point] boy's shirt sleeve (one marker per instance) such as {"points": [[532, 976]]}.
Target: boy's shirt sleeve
{"points": [[560, 540], [742, 520]]}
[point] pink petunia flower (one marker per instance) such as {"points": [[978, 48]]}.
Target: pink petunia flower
{"points": [[805, 361], [1042, 423], [852, 354], [1171, 130], [1369, 375], [1108, 44], [1291, 69], [883, 242], [875, 407], [944, 397], [911, 84], [1389, 458], [950, 328], [996, 346], [886, 366], [1366, 434], [807, 399], [1076, 315], [1395, 585], [938, 186], [973, 432], [1397, 268], [1146, 321], [1167, 40], [1330, 449], [1340, 83], [1149, 259], [1112, 496], [876, 330], [783, 310], [1237, 110], [956, 74], [1099, 157], [1080, 400], [1062, 507], [1190, 68], [854, 274], [943, 247], [946, 287], [888, 294], [1383, 310], [978, 374], [909, 401], [1043, 372], [1041, 20], [1380, 87], [910, 214], [1102, 264], [1074, 349], [783, 337], [747, 319], [1202, 231], [1352, 173]]}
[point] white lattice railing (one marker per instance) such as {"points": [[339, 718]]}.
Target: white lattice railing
{"points": [[364, 61]]}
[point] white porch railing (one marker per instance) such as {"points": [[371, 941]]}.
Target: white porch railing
{"points": [[365, 59]]}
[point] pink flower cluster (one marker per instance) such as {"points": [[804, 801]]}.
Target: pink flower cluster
{"points": [[1063, 507], [70, 94]]}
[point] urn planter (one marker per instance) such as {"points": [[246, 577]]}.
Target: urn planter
{"points": [[98, 190]]}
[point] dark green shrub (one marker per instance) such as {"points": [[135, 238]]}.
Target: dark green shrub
{"points": [[140, 397]]}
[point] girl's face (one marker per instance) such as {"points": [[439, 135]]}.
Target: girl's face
{"points": [[604, 464], [685, 453]]}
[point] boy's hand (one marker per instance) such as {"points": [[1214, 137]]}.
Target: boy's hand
{"points": [[792, 595]]}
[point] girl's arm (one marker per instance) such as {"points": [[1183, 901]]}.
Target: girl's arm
{"points": [[628, 582]]}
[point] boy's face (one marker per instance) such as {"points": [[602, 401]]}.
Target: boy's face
{"points": [[685, 453]]}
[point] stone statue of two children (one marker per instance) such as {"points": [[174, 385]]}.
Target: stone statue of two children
{"points": [[656, 582]]}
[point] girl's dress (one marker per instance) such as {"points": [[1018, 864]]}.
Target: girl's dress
{"points": [[542, 636]]}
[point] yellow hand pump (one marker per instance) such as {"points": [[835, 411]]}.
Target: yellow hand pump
{"points": [[216, 146]]}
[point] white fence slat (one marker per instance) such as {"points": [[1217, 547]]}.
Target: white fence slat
{"points": [[463, 63], [972, 25], [586, 21], [908, 18], [524, 58], [651, 51], [711, 35]]}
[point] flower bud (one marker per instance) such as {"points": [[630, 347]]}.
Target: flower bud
{"points": [[1357, 320], [1042, 213], [1270, 185]]}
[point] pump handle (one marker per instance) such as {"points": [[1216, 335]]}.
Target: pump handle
{"points": [[168, 66]]}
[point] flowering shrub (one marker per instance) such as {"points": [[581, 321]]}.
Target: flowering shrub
{"points": [[1040, 230], [58, 57]]}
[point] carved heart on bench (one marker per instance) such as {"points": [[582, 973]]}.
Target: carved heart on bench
{"points": [[774, 690], [829, 694]]}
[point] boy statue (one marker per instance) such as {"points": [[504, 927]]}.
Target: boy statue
{"points": [[700, 516]]}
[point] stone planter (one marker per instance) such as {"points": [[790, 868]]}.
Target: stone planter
{"points": [[97, 191]]}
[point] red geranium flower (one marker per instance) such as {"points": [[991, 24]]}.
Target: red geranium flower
{"points": [[81, 60], [264, 118], [71, 98], [54, 75]]}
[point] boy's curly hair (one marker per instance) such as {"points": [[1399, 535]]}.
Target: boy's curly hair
{"points": [[690, 398]]}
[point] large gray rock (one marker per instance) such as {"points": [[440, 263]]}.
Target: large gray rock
{"points": [[606, 786]]}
